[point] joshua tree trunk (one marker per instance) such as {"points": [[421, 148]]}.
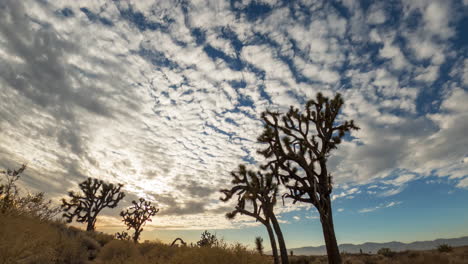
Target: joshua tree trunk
{"points": [[274, 250], [90, 225], [136, 236], [326, 218], [279, 235]]}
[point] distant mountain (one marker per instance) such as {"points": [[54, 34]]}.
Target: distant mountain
{"points": [[374, 247]]}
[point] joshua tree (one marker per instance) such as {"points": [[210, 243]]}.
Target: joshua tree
{"points": [[137, 215], [96, 195], [259, 245], [298, 147], [260, 190]]}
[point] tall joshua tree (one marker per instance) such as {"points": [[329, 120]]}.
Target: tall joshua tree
{"points": [[298, 148], [95, 195], [137, 215], [260, 190]]}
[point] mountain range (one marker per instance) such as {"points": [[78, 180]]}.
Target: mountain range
{"points": [[372, 248]]}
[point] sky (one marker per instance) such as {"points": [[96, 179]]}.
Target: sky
{"points": [[166, 96]]}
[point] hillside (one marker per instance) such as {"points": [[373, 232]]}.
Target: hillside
{"points": [[29, 240], [374, 247]]}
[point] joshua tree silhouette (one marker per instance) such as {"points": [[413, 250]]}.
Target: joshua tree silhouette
{"points": [[298, 147], [137, 215], [258, 189], [96, 195]]}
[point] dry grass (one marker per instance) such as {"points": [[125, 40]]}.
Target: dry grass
{"points": [[125, 252], [25, 240]]}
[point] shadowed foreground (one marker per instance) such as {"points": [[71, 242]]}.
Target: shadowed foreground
{"points": [[457, 256], [26, 240]]}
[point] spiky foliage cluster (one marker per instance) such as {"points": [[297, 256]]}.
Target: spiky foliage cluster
{"points": [[137, 215], [95, 195], [255, 188], [122, 236], [298, 147], [207, 240], [259, 245]]}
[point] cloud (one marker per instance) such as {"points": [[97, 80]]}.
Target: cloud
{"points": [[437, 19], [347, 194], [463, 183], [380, 206], [376, 17], [401, 179], [166, 97]]}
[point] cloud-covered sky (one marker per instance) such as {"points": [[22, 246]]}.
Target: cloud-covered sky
{"points": [[165, 97]]}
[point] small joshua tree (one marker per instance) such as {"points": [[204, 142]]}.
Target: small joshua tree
{"points": [[256, 197], [298, 148], [137, 215], [259, 245], [96, 195]]}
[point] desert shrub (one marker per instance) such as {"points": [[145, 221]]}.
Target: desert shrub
{"points": [[27, 240], [465, 254], [386, 252], [92, 246], [232, 254], [369, 260], [299, 260], [413, 254], [238, 249], [14, 202], [119, 252], [207, 240], [157, 252], [432, 258], [100, 237], [73, 250], [444, 248]]}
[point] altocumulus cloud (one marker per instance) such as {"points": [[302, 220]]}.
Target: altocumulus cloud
{"points": [[165, 97]]}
